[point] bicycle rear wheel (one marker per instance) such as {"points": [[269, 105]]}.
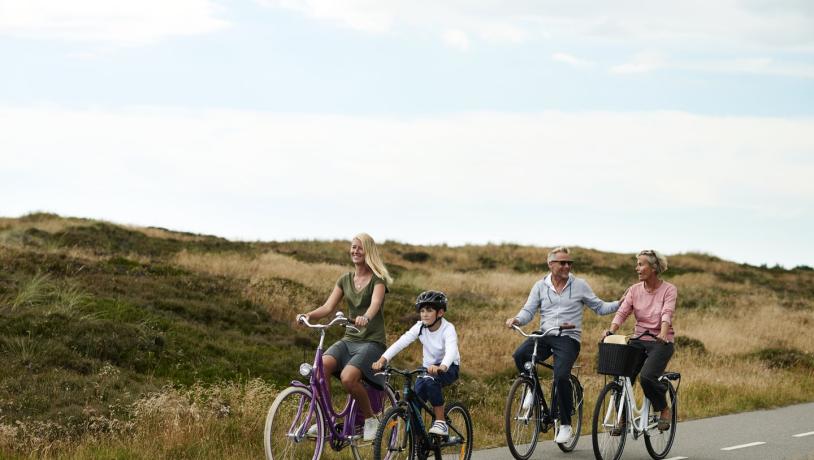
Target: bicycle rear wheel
{"points": [[659, 442], [609, 430], [522, 424], [361, 449], [394, 440], [288, 421], [576, 416], [459, 423]]}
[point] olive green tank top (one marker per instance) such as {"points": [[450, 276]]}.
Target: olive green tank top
{"points": [[358, 303]]}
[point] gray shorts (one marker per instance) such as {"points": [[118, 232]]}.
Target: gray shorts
{"points": [[360, 355]]}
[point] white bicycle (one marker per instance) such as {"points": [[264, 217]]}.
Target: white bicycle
{"points": [[616, 413]]}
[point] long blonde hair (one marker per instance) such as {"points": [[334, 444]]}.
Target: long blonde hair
{"points": [[373, 259]]}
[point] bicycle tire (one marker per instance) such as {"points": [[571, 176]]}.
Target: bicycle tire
{"points": [[576, 426], [459, 441], [362, 449], [521, 425], [394, 439], [284, 435], [658, 442], [606, 445]]}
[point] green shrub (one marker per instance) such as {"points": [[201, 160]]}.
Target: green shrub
{"points": [[785, 358], [684, 343], [416, 256]]}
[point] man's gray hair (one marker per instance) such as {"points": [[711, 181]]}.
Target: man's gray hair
{"points": [[557, 250]]}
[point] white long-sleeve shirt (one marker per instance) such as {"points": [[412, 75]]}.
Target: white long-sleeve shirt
{"points": [[440, 346]]}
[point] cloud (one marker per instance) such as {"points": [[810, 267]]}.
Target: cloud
{"points": [[641, 63], [456, 39], [268, 153], [650, 62], [598, 179], [116, 22], [785, 25], [573, 61]]}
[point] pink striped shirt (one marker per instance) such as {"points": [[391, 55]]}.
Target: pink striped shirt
{"points": [[649, 309]]}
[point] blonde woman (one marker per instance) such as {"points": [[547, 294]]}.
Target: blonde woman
{"points": [[352, 356], [652, 301]]}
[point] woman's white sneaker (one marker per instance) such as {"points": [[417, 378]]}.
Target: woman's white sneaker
{"points": [[371, 426]]}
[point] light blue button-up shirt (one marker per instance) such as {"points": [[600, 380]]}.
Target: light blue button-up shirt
{"points": [[566, 307]]}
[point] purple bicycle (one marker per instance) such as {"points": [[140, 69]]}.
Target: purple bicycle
{"points": [[301, 405]]}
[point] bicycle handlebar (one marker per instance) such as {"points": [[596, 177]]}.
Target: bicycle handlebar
{"points": [[338, 319], [387, 370], [644, 334], [538, 334]]}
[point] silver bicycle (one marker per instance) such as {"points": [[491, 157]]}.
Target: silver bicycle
{"points": [[617, 414]]}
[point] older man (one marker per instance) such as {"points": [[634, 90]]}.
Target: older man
{"points": [[559, 298]]}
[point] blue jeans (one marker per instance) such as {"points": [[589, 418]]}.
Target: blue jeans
{"points": [[565, 351], [429, 389]]}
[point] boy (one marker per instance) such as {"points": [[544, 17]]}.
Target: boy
{"points": [[441, 357]]}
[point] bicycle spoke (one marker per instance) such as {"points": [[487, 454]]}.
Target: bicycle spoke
{"points": [[609, 430], [522, 424], [659, 442], [288, 421]]}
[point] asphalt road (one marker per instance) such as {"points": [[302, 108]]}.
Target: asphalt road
{"points": [[777, 434]]}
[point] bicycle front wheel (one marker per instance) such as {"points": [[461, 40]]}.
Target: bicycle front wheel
{"points": [[609, 428], [659, 442], [459, 443], [394, 440], [576, 416], [361, 449], [522, 419], [285, 436]]}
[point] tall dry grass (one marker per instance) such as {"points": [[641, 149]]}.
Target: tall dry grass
{"points": [[281, 300], [318, 276]]}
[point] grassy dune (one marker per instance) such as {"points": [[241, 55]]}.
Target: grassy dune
{"points": [[124, 342]]}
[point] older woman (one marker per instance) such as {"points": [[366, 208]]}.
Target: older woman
{"points": [[352, 356], [652, 301]]}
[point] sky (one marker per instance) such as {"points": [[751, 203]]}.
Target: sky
{"points": [[619, 126]]}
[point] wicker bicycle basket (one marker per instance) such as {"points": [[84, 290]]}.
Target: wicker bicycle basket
{"points": [[615, 359]]}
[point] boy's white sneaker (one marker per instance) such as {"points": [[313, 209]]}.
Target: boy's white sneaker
{"points": [[563, 435], [371, 426], [440, 428]]}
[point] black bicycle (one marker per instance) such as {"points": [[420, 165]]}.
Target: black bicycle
{"points": [[525, 419], [402, 432]]}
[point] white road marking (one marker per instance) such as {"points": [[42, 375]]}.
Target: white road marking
{"points": [[676, 458], [800, 435], [751, 444]]}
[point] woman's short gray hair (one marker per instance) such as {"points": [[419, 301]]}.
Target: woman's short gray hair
{"points": [[557, 250], [656, 260]]}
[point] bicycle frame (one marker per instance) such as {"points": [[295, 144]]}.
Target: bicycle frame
{"points": [[318, 385], [532, 372], [415, 405], [638, 415]]}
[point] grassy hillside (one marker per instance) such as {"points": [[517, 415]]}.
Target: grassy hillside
{"points": [[142, 342]]}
